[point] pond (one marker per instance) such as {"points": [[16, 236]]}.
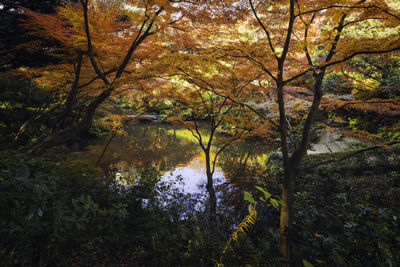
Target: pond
{"points": [[176, 156]]}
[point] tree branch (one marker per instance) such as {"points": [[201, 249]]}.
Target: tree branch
{"points": [[263, 27], [135, 44], [89, 43], [349, 155]]}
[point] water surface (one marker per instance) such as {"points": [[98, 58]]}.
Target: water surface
{"points": [[176, 155]]}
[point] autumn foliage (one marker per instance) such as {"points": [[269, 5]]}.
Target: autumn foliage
{"points": [[278, 70]]}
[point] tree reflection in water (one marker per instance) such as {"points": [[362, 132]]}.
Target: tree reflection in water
{"points": [[149, 145], [177, 161]]}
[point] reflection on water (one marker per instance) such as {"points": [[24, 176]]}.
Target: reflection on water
{"points": [[173, 152], [148, 145], [194, 175]]}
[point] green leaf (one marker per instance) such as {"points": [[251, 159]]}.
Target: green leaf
{"points": [[266, 194], [259, 188], [307, 263], [248, 197], [274, 203]]}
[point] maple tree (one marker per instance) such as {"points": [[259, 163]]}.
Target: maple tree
{"points": [[209, 90], [337, 47], [291, 39], [107, 43]]}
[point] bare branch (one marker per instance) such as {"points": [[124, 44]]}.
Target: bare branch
{"points": [[220, 150], [360, 53], [349, 155], [263, 27]]}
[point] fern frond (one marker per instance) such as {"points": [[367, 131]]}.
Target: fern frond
{"points": [[243, 227]]}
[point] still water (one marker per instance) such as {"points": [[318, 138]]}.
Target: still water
{"points": [[176, 156]]}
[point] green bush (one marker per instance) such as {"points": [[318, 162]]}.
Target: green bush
{"points": [[346, 230], [44, 218], [21, 101], [346, 213]]}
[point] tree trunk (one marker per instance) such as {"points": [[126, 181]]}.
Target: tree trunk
{"points": [[290, 169], [210, 187], [286, 217], [59, 122], [285, 248], [82, 127]]}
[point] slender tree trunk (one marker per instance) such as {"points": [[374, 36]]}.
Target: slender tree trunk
{"points": [[290, 169], [105, 149], [212, 244], [210, 187], [113, 135], [286, 217], [285, 248]]}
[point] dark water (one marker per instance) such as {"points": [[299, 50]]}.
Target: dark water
{"points": [[175, 155]]}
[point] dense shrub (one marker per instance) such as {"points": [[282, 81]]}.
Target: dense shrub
{"points": [[347, 213], [46, 215]]}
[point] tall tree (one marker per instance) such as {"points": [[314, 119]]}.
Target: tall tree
{"points": [[322, 47], [291, 38]]}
